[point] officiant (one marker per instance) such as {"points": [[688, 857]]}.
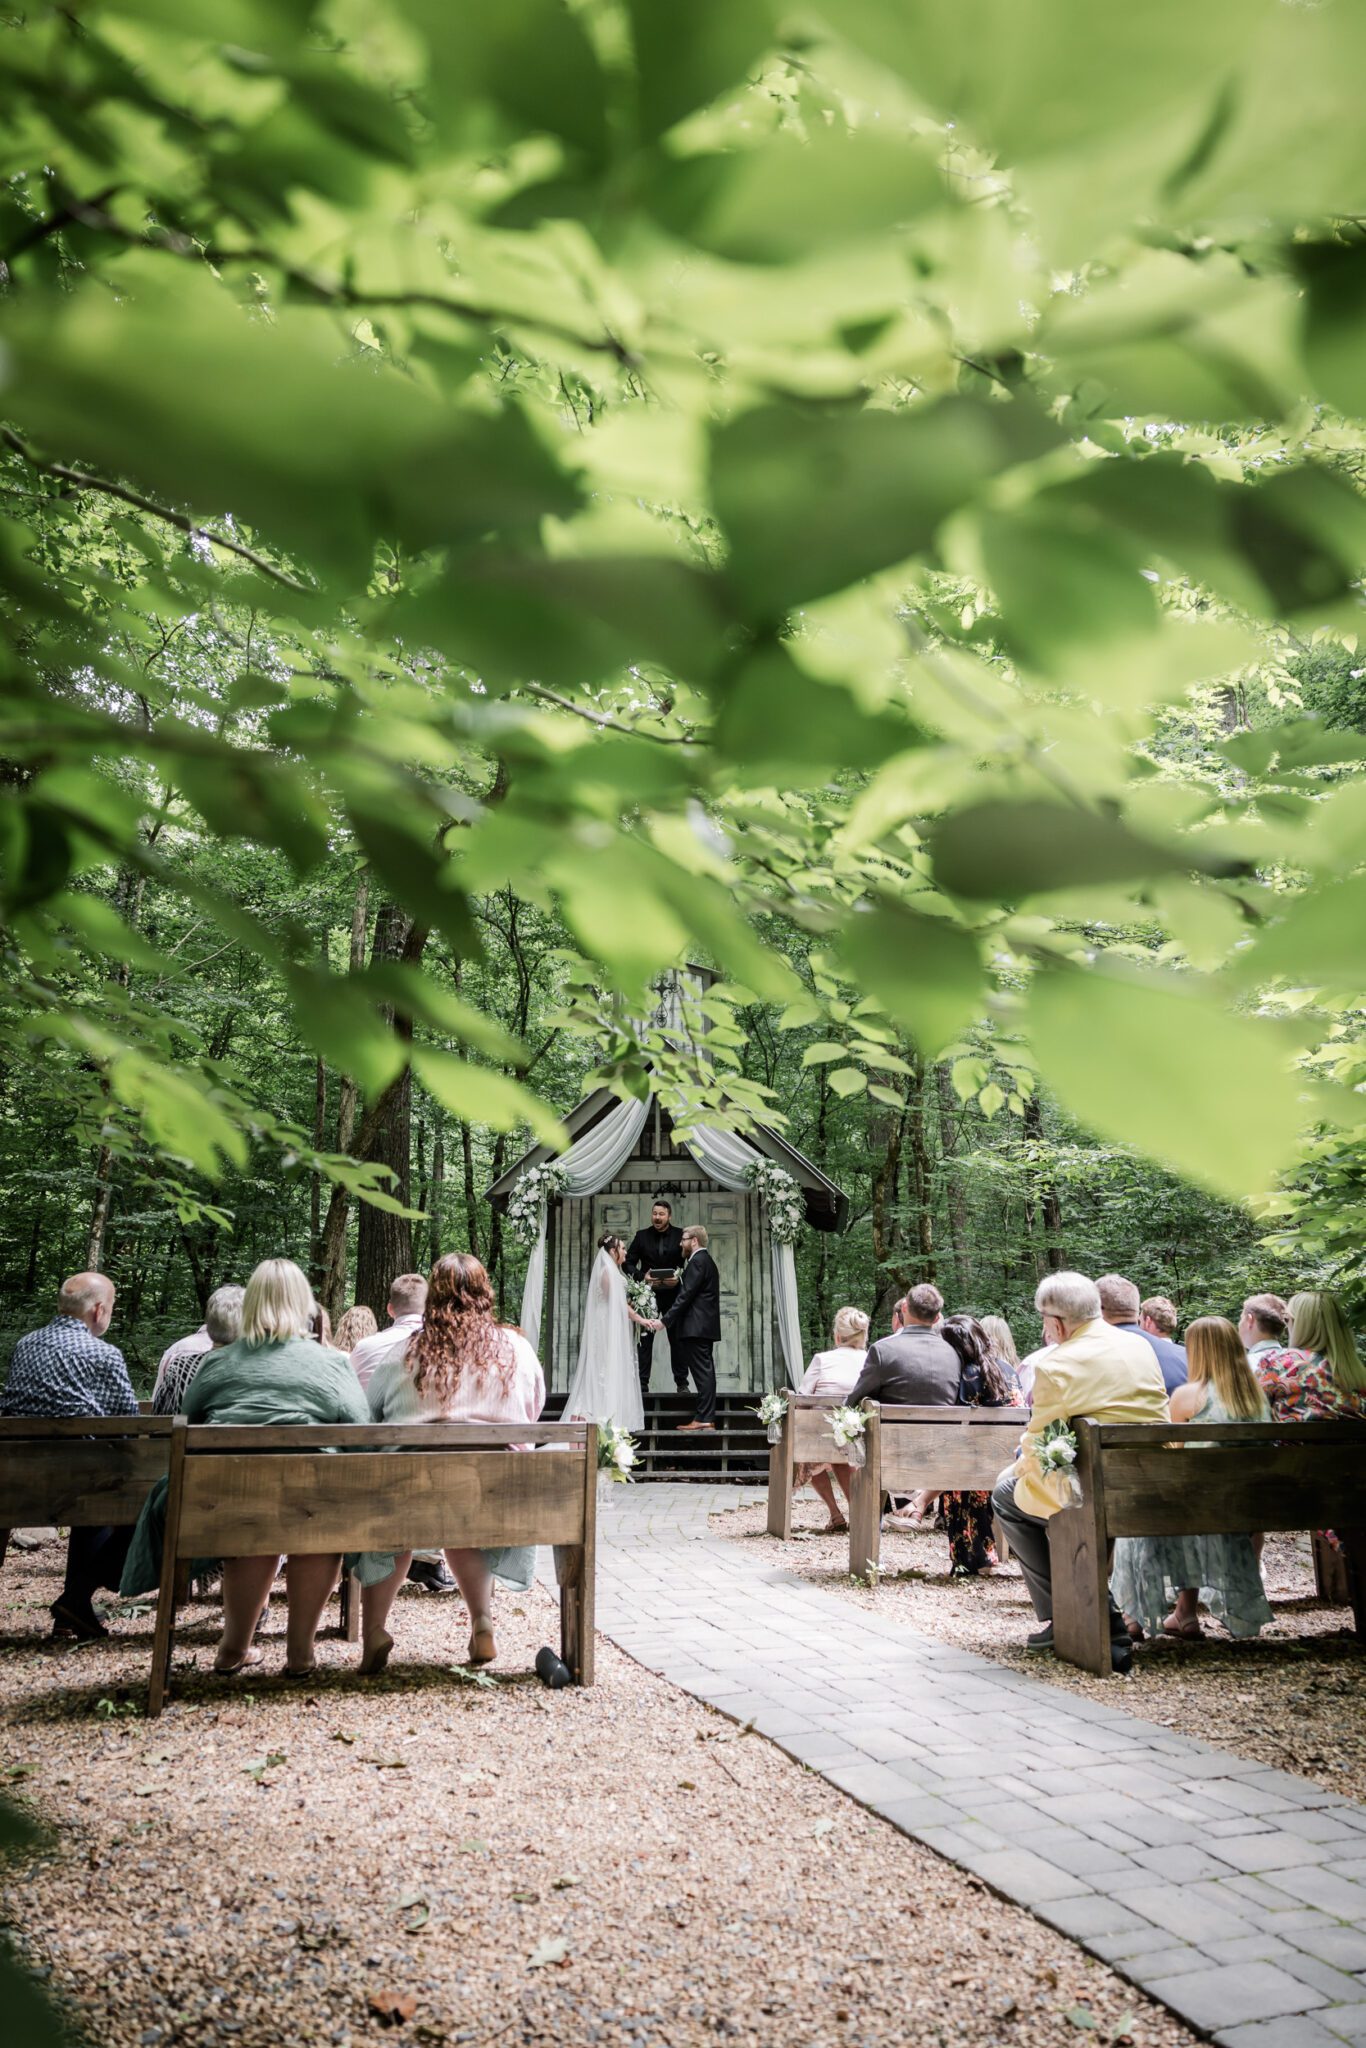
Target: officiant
{"points": [[655, 1254]]}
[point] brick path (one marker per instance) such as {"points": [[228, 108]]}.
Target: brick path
{"points": [[1233, 1893]]}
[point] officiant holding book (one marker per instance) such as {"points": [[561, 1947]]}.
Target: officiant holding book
{"points": [[656, 1254]]}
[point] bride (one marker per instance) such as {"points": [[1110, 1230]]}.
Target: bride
{"points": [[606, 1382]]}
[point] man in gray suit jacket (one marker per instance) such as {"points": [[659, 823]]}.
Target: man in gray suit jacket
{"points": [[915, 1367]]}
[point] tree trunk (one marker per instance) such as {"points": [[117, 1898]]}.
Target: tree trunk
{"points": [[332, 1252], [1046, 1190], [315, 1191], [949, 1144], [384, 1246], [889, 1271], [824, 1312], [128, 902], [919, 1170], [467, 1172], [35, 1239], [437, 1195]]}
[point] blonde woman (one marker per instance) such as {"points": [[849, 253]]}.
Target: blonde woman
{"points": [[1321, 1375], [358, 1322], [1001, 1339], [834, 1372], [1151, 1571], [275, 1372]]}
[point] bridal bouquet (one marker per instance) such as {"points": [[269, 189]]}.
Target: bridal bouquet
{"points": [[536, 1187], [847, 1426], [641, 1296], [1055, 1455], [616, 1453], [770, 1412]]}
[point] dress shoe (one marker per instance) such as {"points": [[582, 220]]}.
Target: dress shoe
{"points": [[431, 1574], [77, 1618]]}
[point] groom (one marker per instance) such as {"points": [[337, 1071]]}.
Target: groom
{"points": [[694, 1323]]}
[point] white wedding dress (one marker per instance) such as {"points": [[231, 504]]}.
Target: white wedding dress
{"points": [[606, 1382]]}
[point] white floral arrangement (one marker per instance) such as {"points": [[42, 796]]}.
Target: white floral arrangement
{"points": [[782, 1198], [537, 1186], [847, 1427], [616, 1453], [641, 1296], [1055, 1454], [771, 1412]]}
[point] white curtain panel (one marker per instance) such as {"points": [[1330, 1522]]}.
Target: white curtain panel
{"points": [[590, 1163], [726, 1158]]}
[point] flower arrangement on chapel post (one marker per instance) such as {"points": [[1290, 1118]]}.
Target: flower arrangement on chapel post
{"points": [[537, 1186], [781, 1197]]}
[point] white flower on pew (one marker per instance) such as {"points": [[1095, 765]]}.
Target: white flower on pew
{"points": [[847, 1426], [771, 1411], [1055, 1455], [617, 1452]]}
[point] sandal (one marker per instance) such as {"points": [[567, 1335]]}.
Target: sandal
{"points": [[1185, 1631], [482, 1649], [248, 1658], [836, 1528]]}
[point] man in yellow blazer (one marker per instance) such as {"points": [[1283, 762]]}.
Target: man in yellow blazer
{"points": [[1091, 1369]]}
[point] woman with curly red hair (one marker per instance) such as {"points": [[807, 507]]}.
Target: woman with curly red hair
{"points": [[462, 1365]]}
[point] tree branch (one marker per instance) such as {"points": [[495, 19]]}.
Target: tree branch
{"points": [[606, 724]]}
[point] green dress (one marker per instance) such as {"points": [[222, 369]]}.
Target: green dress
{"points": [[292, 1382]]}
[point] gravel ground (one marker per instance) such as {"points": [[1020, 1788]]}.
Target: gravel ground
{"points": [[1291, 1698], [422, 1858]]}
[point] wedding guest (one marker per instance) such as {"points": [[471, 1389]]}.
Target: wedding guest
{"points": [[1320, 1375], [834, 1373], [1158, 1317], [358, 1322], [1091, 1369], [460, 1365], [987, 1382], [1120, 1306], [275, 1372], [1002, 1341], [67, 1369], [1264, 1326], [1159, 1581], [407, 1299], [180, 1362], [914, 1366]]}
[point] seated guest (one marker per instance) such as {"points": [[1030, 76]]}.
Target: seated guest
{"points": [[358, 1322], [407, 1299], [1158, 1317], [275, 1372], [1264, 1326], [914, 1366], [459, 1366], [1002, 1341], [1155, 1574], [834, 1373], [180, 1362], [1119, 1304], [1092, 1369], [988, 1382], [1321, 1374], [67, 1369]]}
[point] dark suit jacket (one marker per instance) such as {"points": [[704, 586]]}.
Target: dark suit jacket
{"points": [[695, 1314], [914, 1368], [1170, 1356], [650, 1247]]}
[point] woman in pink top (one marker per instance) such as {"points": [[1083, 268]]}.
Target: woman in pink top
{"points": [[461, 1365], [834, 1372]]}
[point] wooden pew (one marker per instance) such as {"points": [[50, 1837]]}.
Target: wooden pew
{"points": [[937, 1450], [81, 1471], [805, 1439], [1139, 1479], [246, 1492]]}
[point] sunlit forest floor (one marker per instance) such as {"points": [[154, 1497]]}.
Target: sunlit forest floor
{"points": [[1290, 1698], [423, 1858]]}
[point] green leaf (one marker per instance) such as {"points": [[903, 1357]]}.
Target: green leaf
{"points": [[1300, 743], [1335, 273], [848, 1081], [478, 1095], [991, 1099], [1063, 588], [686, 56], [1318, 941], [886, 1095], [827, 1049], [184, 1118], [968, 1076], [926, 973], [800, 1014], [1165, 1068], [530, 58], [884, 482], [991, 852]]}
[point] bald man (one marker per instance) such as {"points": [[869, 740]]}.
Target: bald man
{"points": [[67, 1369]]}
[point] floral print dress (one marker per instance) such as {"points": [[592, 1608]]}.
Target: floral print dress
{"points": [[967, 1516], [1301, 1386]]}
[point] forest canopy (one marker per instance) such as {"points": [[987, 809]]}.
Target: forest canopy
{"points": [[500, 500]]}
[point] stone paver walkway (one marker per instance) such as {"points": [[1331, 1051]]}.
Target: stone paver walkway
{"points": [[1233, 1893]]}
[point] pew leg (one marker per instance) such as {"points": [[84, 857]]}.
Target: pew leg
{"points": [[1353, 1554], [161, 1641], [1331, 1579], [865, 1522], [569, 1561], [4, 1544], [1080, 1573], [349, 1597], [780, 1486]]}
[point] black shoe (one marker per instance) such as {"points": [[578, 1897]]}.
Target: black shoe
{"points": [[1041, 1639], [77, 1618], [1121, 1655], [431, 1574], [682, 1387]]}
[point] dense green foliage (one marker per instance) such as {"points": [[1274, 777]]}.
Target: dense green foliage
{"points": [[842, 497]]}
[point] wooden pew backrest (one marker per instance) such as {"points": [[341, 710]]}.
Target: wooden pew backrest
{"points": [[967, 1449], [80, 1472]]}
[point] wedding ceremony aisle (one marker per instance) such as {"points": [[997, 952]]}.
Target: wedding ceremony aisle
{"points": [[1233, 1893]]}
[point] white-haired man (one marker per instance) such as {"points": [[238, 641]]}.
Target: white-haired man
{"points": [[1092, 1369], [180, 1361], [67, 1369]]}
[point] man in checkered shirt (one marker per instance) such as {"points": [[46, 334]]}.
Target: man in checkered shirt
{"points": [[66, 1369]]}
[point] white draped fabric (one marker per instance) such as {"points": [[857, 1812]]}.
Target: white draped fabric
{"points": [[726, 1157], [590, 1163]]}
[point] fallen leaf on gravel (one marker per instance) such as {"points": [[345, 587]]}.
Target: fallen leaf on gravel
{"points": [[392, 2008], [562, 1884], [686, 1785], [527, 1898], [1080, 2016], [1124, 2029], [13, 1771], [270, 1762], [554, 1949], [387, 1763], [341, 1735], [823, 1827], [145, 1791], [416, 1904], [472, 1846], [1009, 2009]]}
